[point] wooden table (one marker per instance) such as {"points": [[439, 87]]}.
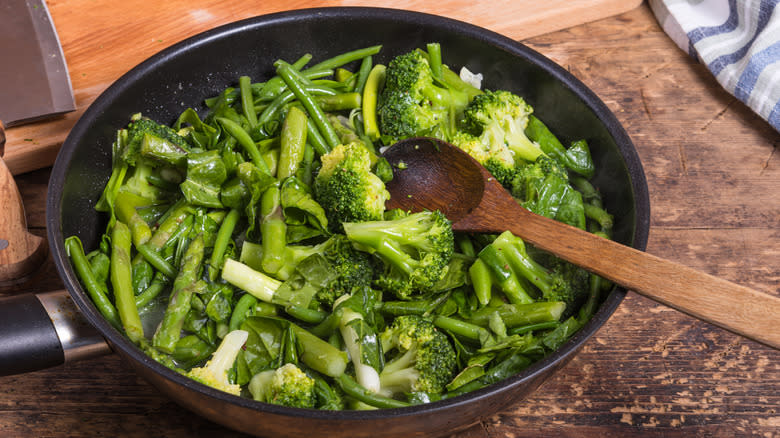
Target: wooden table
{"points": [[713, 172]]}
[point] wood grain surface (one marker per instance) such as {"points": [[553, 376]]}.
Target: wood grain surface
{"points": [[713, 172], [102, 40]]}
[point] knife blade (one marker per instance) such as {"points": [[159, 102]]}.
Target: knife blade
{"points": [[34, 80]]}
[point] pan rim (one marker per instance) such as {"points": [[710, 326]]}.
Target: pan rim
{"points": [[556, 359]]}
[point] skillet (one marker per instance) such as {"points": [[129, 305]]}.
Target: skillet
{"points": [[202, 66]]}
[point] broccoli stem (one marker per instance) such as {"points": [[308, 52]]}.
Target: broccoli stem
{"points": [[376, 78], [339, 102], [293, 143], [247, 100], [256, 283], [513, 249], [122, 283], [366, 375], [510, 284], [318, 354], [434, 59], [95, 290], [515, 315], [273, 231], [184, 286]]}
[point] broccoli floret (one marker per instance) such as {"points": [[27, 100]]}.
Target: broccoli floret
{"points": [[347, 189], [499, 118], [423, 360], [543, 187], [215, 372], [287, 385], [521, 276], [416, 250], [148, 139], [352, 269], [496, 157], [412, 104]]}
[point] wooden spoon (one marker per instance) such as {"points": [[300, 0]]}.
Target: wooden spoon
{"points": [[21, 252], [436, 175]]}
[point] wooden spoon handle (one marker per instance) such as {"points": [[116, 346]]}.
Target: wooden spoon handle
{"points": [[20, 252], [733, 307]]}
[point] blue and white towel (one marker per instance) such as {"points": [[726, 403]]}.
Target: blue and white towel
{"points": [[738, 41]]}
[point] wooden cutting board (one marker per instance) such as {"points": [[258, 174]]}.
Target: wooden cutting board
{"points": [[104, 39]]}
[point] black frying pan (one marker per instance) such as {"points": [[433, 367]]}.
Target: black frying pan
{"points": [[201, 66]]}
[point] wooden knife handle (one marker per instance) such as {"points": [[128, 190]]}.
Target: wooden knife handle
{"points": [[21, 253]]}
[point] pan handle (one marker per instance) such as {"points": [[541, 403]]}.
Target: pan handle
{"points": [[39, 331]]}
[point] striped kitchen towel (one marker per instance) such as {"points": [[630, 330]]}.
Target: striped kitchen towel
{"points": [[738, 41]]}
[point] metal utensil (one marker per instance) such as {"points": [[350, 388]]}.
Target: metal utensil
{"points": [[34, 84]]}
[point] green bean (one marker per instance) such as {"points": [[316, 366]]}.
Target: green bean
{"points": [[309, 316], [292, 79], [362, 74], [305, 170], [293, 143], [244, 304], [547, 325], [276, 85], [122, 282], [358, 392], [221, 242], [184, 286], [370, 96], [155, 259], [158, 285], [315, 138], [271, 111], [461, 328], [245, 140], [83, 269], [345, 58], [247, 101]]}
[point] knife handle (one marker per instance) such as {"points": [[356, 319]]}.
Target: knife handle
{"points": [[21, 252]]}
